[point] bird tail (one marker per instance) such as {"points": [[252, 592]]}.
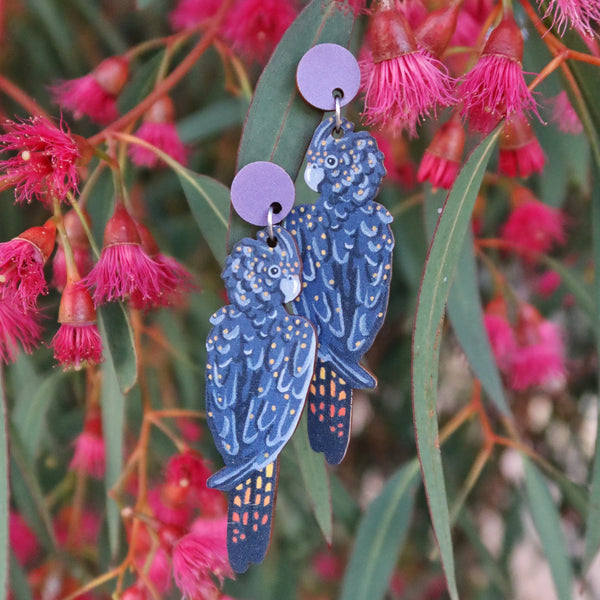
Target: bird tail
{"points": [[250, 516], [329, 412]]}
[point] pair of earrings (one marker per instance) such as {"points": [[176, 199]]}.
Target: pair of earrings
{"points": [[333, 260]]}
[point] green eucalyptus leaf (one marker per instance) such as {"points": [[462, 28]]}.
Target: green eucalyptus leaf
{"points": [[440, 267], [29, 415], [141, 84], [117, 335], [27, 493], [316, 479], [18, 581], [212, 120], [113, 426], [547, 523], [209, 202], [380, 537], [466, 314]]}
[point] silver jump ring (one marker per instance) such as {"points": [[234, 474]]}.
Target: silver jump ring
{"points": [[270, 224], [338, 113]]}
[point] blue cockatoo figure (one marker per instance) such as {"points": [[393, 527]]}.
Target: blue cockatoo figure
{"points": [[346, 244], [260, 363]]}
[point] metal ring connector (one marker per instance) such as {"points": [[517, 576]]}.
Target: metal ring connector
{"points": [[271, 240], [338, 95]]}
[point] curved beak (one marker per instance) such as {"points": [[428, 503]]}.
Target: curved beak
{"points": [[290, 286], [313, 175]]}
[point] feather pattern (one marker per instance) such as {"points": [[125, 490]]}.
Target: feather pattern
{"points": [[260, 363], [346, 244]]}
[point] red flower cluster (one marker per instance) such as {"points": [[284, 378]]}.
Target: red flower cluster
{"points": [[193, 548], [533, 225], [531, 352]]}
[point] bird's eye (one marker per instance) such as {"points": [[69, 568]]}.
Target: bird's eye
{"points": [[331, 162], [273, 271]]}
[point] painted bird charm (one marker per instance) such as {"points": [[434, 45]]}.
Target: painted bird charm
{"points": [[260, 363], [346, 244]]}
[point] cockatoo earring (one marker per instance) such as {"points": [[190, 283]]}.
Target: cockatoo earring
{"points": [[260, 361], [345, 243]]}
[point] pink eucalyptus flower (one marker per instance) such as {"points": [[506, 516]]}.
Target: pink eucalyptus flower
{"points": [[502, 338], [578, 14], [186, 477], [328, 566], [158, 571], [95, 94], [191, 13], [402, 84], [255, 27], [18, 327], [190, 430], [442, 158], [188, 471], [495, 88], [547, 283], [169, 507], [534, 225], [564, 115], [90, 449], [200, 555], [45, 165], [77, 343], [397, 161], [22, 540], [540, 360], [77, 346], [520, 153], [22, 264], [159, 130], [124, 268], [175, 280]]}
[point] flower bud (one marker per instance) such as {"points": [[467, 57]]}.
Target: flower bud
{"points": [[112, 74], [506, 40], [391, 35], [42, 237], [162, 111], [76, 305], [121, 228], [437, 29]]}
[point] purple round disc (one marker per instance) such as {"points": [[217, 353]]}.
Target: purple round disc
{"points": [[325, 68], [256, 187]]}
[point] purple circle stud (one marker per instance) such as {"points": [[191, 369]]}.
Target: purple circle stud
{"points": [[324, 69], [259, 185]]}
